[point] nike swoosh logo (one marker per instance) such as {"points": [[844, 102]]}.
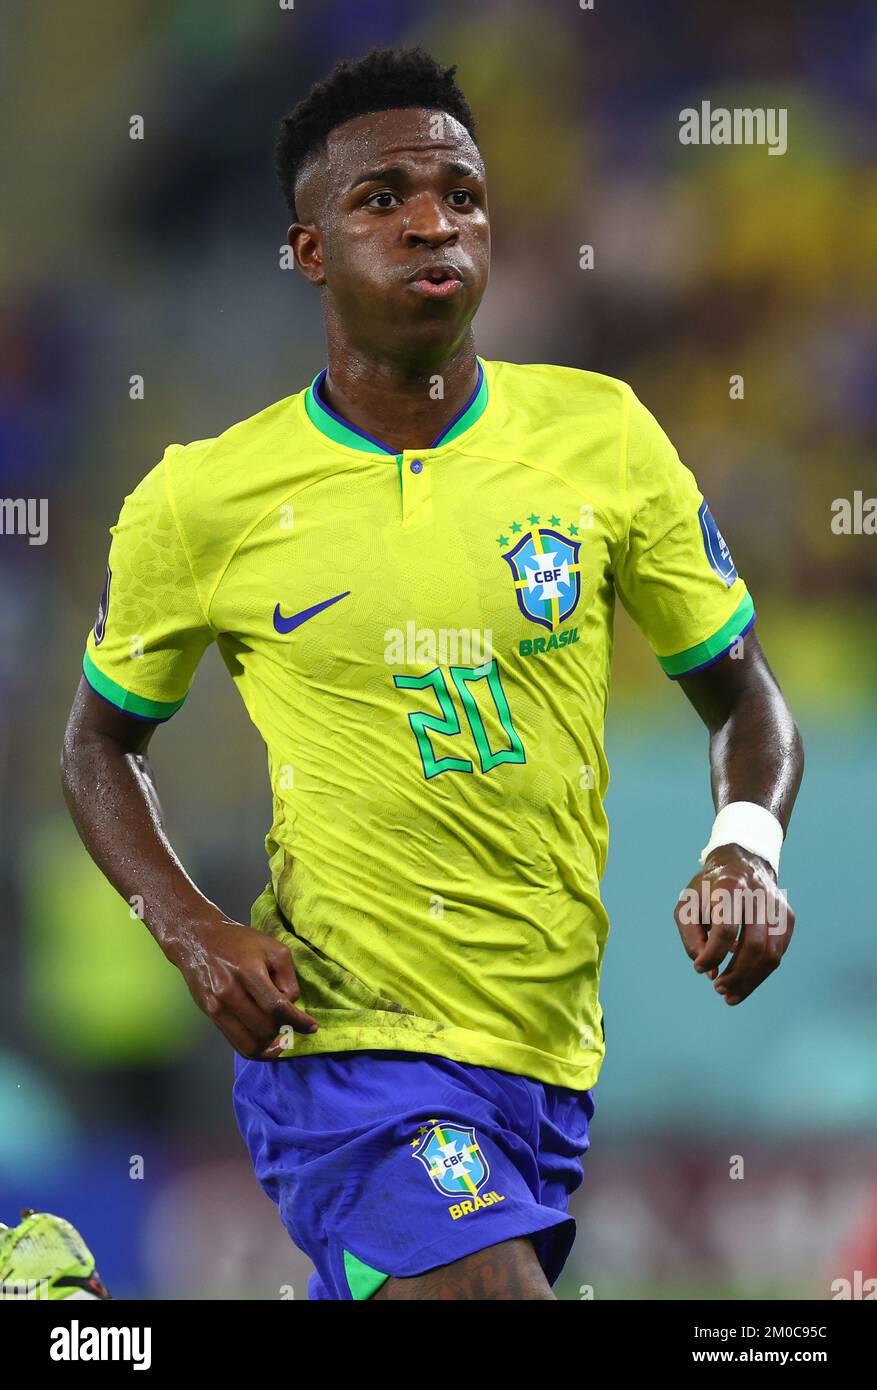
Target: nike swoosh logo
{"points": [[286, 625]]}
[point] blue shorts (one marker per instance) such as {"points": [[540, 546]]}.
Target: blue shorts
{"points": [[391, 1163]]}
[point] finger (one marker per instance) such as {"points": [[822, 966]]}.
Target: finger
{"points": [[282, 971], [275, 1005], [767, 931], [722, 939], [781, 923], [692, 916], [241, 1038], [687, 918], [694, 938], [751, 964], [723, 909], [736, 988], [284, 1042], [233, 1000]]}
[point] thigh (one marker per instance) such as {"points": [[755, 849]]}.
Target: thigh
{"points": [[510, 1270]]}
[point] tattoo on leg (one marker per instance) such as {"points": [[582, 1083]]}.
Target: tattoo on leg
{"points": [[506, 1271]]}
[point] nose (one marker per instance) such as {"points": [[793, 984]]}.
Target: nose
{"points": [[428, 221]]}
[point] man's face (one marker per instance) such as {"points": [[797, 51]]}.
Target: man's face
{"points": [[394, 224]]}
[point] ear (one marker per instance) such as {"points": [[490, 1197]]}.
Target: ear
{"points": [[306, 243]]}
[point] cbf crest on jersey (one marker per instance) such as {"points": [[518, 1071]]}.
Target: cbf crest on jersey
{"points": [[452, 1158], [547, 575]]}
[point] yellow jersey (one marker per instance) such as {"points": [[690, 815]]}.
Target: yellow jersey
{"points": [[423, 640]]}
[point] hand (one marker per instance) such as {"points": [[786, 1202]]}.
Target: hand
{"points": [[735, 889], [244, 981]]}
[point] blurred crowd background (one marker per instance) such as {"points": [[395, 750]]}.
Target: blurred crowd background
{"points": [[160, 257]]}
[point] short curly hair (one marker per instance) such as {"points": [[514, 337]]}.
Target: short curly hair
{"points": [[382, 80]]}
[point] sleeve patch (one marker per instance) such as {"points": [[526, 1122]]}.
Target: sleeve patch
{"points": [[716, 547], [103, 609]]}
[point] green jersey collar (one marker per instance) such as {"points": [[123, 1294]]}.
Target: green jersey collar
{"points": [[335, 427]]}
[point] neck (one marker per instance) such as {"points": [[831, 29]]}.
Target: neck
{"points": [[405, 406]]}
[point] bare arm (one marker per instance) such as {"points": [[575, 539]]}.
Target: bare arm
{"points": [[756, 754], [242, 979]]}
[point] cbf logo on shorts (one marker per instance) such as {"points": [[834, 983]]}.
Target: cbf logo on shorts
{"points": [[547, 575], [716, 546], [451, 1156]]}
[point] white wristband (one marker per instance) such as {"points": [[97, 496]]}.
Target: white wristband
{"points": [[750, 826]]}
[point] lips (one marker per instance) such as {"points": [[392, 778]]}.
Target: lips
{"points": [[436, 280], [436, 271]]}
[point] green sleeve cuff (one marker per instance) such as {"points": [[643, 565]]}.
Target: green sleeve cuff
{"points": [[705, 653], [126, 700]]}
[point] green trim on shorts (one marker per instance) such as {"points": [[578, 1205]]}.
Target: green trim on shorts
{"points": [[362, 1280]]}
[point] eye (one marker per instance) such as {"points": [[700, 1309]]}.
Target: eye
{"points": [[384, 193], [463, 193]]}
